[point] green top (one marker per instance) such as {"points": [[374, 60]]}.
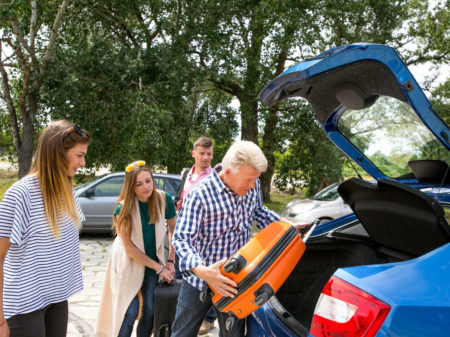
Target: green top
{"points": [[148, 229]]}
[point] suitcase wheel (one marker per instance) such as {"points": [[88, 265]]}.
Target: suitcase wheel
{"points": [[163, 331], [229, 322], [235, 264], [263, 294]]}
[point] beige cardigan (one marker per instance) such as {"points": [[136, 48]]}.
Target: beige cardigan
{"points": [[124, 276]]}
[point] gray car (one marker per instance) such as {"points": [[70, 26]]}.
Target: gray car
{"points": [[98, 197]]}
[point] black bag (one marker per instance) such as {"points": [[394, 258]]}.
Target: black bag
{"points": [[181, 186], [166, 297]]}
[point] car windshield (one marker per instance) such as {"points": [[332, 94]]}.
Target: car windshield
{"points": [[329, 193], [390, 134]]}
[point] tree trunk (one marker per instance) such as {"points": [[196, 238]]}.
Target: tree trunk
{"points": [[25, 153], [249, 118], [268, 146], [323, 182]]}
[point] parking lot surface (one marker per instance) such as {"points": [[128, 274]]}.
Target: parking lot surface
{"points": [[83, 307]]}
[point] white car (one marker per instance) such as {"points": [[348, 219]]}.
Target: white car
{"points": [[326, 205]]}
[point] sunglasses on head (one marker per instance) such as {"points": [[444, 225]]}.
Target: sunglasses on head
{"points": [[75, 128], [130, 167]]}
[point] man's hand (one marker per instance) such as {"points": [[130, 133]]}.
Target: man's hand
{"points": [[297, 226], [220, 283]]}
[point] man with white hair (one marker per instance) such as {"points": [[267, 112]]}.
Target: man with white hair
{"points": [[214, 223]]}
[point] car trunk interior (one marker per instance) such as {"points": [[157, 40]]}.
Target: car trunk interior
{"points": [[300, 292], [402, 223]]}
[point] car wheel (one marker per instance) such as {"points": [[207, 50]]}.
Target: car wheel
{"points": [[323, 220]]}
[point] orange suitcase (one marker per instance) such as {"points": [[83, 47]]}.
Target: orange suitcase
{"points": [[259, 268]]}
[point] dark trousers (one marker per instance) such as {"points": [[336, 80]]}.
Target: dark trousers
{"points": [[211, 316], [191, 312], [50, 321]]}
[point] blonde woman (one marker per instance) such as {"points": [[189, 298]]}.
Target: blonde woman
{"points": [[136, 261], [39, 248]]}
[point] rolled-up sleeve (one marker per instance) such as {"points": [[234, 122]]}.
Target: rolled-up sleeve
{"points": [[186, 233]]}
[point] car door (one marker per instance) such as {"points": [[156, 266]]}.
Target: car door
{"points": [[167, 184], [98, 203]]}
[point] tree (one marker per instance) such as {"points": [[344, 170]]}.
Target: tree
{"points": [[441, 100], [128, 79], [28, 36], [242, 45], [308, 159], [147, 77]]}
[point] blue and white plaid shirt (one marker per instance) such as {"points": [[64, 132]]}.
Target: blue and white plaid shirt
{"points": [[214, 223]]}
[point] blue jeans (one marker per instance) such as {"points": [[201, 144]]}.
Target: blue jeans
{"points": [[145, 324], [211, 316], [191, 313]]}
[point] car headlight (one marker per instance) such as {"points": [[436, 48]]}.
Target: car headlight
{"points": [[293, 211]]}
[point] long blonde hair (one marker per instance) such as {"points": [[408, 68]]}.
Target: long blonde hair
{"points": [[50, 166], [127, 200]]}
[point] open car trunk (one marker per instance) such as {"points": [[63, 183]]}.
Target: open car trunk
{"points": [[296, 299], [402, 223]]}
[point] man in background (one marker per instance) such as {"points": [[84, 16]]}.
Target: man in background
{"points": [[202, 154]]}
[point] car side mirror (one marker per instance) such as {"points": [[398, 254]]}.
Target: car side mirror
{"points": [[89, 192]]}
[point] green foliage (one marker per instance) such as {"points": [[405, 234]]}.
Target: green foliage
{"points": [[147, 78], [138, 99], [309, 160], [441, 100], [428, 24]]}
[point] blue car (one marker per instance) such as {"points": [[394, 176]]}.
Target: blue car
{"points": [[383, 270]]}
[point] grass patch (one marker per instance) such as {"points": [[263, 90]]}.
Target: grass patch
{"points": [[7, 178], [279, 200]]}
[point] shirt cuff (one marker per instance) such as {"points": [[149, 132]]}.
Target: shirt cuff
{"points": [[190, 261]]}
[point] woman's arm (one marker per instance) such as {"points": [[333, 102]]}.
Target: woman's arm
{"points": [[4, 246], [136, 254], [171, 266], [171, 224]]}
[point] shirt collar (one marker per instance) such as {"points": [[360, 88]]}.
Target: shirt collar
{"points": [[218, 183], [204, 172], [221, 187]]}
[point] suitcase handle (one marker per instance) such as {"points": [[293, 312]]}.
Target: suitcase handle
{"points": [[306, 232], [165, 283]]}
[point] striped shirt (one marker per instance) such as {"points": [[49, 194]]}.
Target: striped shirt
{"points": [[39, 269], [214, 223]]}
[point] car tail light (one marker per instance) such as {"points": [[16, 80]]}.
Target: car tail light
{"points": [[345, 310]]}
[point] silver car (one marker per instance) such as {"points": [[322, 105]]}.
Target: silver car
{"points": [[98, 197], [326, 205]]}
